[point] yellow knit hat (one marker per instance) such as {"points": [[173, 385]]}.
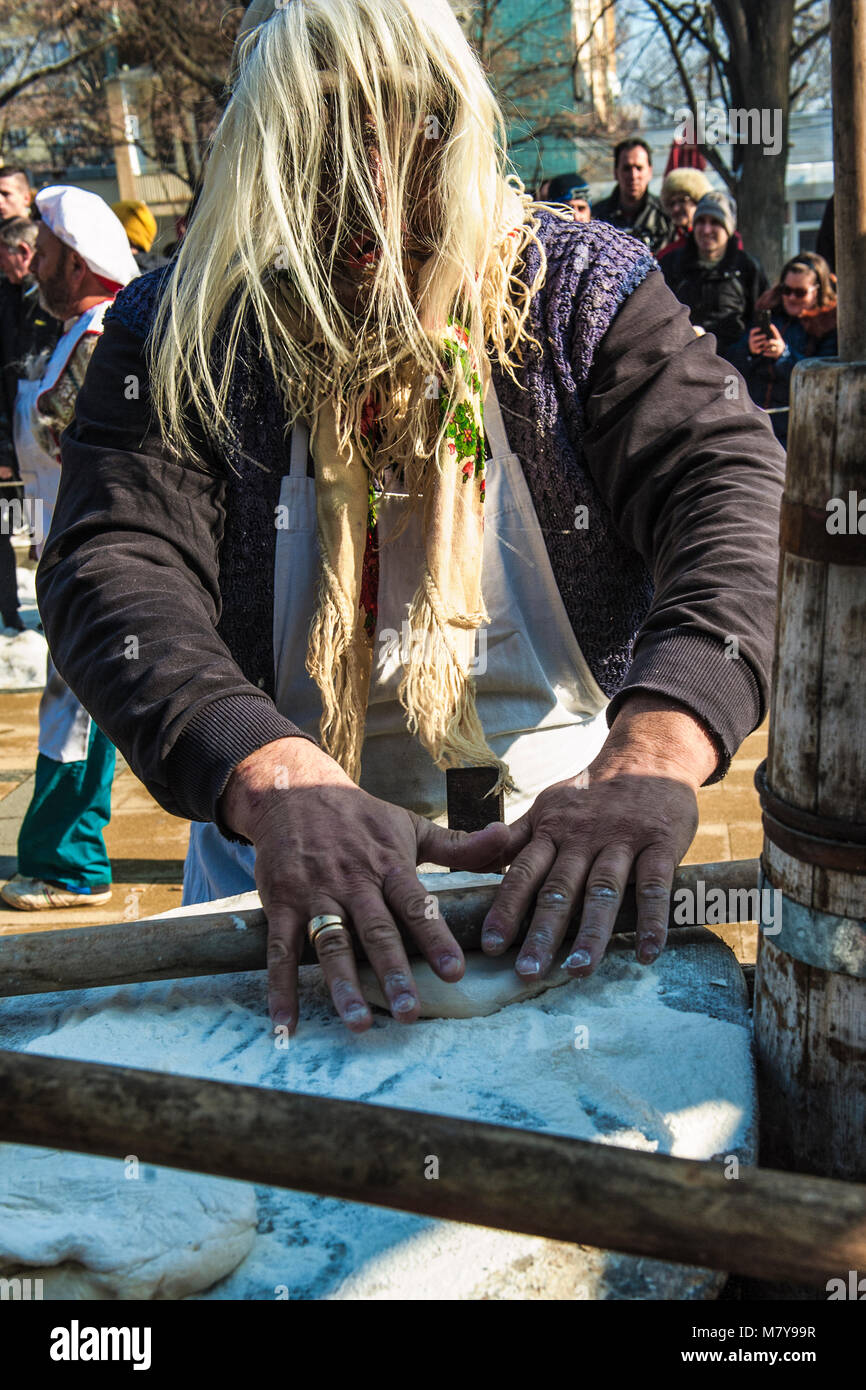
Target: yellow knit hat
{"points": [[138, 221]]}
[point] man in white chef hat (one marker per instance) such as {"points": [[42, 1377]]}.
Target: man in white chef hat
{"points": [[82, 259]]}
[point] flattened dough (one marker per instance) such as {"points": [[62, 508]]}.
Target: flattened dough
{"points": [[77, 1223], [488, 985]]}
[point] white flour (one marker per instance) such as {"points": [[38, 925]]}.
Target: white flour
{"points": [[643, 1075]]}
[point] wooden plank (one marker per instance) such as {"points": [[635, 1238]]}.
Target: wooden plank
{"points": [[812, 1059], [810, 1034], [848, 39], [759, 1223], [234, 936], [792, 759]]}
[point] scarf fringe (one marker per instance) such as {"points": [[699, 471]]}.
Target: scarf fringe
{"points": [[438, 695], [342, 680]]}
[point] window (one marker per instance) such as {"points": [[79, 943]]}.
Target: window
{"points": [[810, 209]]}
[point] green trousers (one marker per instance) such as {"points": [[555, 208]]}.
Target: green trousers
{"points": [[60, 840]]}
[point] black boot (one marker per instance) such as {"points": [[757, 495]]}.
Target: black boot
{"points": [[12, 620]]}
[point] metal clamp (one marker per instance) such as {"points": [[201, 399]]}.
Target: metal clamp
{"points": [[821, 939], [826, 841], [803, 531]]}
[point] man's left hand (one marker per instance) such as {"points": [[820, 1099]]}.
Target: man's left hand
{"points": [[634, 813]]}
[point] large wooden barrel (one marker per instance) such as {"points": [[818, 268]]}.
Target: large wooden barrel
{"points": [[810, 997]]}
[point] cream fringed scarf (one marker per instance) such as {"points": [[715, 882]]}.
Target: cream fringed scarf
{"points": [[437, 689]]}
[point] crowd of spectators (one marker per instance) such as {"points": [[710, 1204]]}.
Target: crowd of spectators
{"points": [[691, 228]]}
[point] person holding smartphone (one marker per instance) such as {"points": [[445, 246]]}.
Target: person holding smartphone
{"points": [[796, 318]]}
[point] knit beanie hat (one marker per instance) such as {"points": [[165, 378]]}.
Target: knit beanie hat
{"points": [[564, 187], [689, 181], [720, 207], [138, 221]]}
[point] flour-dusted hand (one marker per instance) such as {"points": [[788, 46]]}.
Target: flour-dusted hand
{"points": [[325, 847], [634, 813]]}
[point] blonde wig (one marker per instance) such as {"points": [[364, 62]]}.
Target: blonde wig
{"points": [[433, 223]]}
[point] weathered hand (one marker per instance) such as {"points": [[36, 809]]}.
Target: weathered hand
{"points": [[582, 839], [324, 846]]}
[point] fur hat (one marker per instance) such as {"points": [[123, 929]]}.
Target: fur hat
{"points": [[689, 181]]}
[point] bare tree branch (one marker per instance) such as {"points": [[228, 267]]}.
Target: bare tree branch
{"points": [[711, 152], [10, 92], [799, 49]]}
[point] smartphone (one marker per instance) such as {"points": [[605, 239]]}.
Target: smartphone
{"points": [[765, 320]]}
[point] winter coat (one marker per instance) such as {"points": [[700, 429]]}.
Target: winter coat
{"points": [[720, 298], [812, 334], [652, 225]]}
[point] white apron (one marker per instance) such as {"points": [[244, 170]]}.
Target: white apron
{"points": [[540, 706], [40, 471], [64, 724]]}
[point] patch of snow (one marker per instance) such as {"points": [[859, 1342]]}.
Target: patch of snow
{"points": [[23, 655]]}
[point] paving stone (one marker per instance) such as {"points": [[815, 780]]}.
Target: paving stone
{"points": [[747, 840], [710, 845]]}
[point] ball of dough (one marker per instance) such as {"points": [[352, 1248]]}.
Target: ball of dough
{"points": [[87, 1230], [488, 985]]}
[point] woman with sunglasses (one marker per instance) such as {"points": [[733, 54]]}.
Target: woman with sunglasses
{"points": [[802, 308]]}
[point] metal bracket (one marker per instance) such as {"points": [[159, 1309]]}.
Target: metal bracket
{"points": [[803, 531], [836, 944], [825, 841]]}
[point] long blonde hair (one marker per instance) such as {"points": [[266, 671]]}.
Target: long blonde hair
{"points": [[289, 147]]}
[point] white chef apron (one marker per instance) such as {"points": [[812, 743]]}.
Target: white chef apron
{"points": [[64, 724], [40, 471], [539, 704]]}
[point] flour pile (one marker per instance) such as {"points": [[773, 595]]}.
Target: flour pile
{"points": [[618, 1059]]}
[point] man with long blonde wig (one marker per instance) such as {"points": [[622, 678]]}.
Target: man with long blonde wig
{"points": [[420, 474]]}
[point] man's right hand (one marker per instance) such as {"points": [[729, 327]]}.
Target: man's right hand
{"points": [[325, 846]]}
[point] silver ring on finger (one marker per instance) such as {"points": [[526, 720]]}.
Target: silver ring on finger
{"points": [[327, 923]]}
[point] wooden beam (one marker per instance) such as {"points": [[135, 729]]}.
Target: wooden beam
{"points": [[848, 39], [759, 1223], [225, 941]]}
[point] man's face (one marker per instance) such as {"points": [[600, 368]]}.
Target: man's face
{"points": [[52, 266], [581, 209], [15, 262], [633, 174], [14, 197], [358, 255], [711, 238]]}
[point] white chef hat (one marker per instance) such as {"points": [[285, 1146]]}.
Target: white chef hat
{"points": [[85, 222]]}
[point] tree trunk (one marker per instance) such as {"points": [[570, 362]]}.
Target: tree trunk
{"points": [[760, 37]]}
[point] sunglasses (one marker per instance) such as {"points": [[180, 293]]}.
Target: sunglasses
{"points": [[789, 291]]}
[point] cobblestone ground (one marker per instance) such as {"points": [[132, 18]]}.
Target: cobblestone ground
{"points": [[147, 846]]}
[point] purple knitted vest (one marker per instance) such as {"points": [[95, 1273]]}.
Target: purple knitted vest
{"points": [[592, 268], [605, 586]]}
